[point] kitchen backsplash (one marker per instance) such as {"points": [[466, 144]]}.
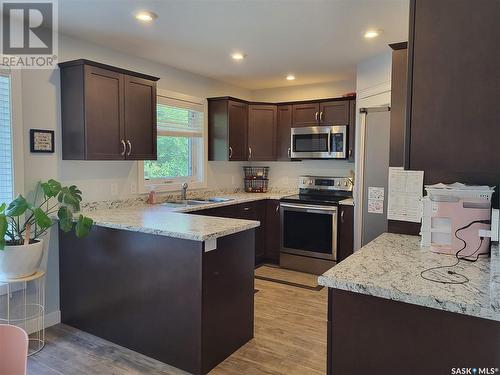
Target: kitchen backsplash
{"points": [[163, 197]]}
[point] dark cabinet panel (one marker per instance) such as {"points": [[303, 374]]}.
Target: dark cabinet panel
{"points": [[248, 211], [272, 231], [399, 82], [352, 130], [305, 114], [238, 130], [345, 238], [334, 113], [454, 91], [262, 132], [140, 113], [227, 130], [104, 131], [283, 132], [108, 113]]}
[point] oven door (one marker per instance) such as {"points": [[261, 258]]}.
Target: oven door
{"points": [[309, 230], [319, 142]]}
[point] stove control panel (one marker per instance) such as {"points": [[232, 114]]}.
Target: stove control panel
{"points": [[325, 183]]}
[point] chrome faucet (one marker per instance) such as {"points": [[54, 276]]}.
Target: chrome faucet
{"points": [[184, 188]]}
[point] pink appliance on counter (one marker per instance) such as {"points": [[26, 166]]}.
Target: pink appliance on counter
{"points": [[449, 213]]}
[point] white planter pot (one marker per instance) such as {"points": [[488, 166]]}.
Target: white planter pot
{"points": [[20, 260]]}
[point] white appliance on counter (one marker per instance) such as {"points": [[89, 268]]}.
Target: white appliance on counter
{"points": [[454, 216]]}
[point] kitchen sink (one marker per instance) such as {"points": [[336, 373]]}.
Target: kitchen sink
{"points": [[212, 200], [196, 201], [182, 203]]}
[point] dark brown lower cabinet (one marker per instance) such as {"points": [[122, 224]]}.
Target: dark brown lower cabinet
{"points": [[248, 211], [272, 231], [372, 335], [345, 234], [267, 236], [160, 296]]}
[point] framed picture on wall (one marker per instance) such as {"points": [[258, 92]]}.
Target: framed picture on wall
{"points": [[41, 140]]}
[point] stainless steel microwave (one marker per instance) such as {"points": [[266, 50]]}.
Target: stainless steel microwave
{"points": [[319, 142]]}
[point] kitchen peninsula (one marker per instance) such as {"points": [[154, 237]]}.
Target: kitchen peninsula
{"points": [[173, 286], [378, 299]]}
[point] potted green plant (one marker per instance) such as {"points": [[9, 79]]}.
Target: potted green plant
{"points": [[24, 223]]}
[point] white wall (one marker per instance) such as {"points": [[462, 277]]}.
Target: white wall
{"points": [[41, 109], [305, 92], [373, 89]]}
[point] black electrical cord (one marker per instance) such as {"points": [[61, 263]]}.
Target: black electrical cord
{"points": [[464, 279]]}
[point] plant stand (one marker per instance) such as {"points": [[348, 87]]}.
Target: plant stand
{"points": [[22, 303]]}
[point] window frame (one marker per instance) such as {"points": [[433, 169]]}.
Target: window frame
{"points": [[17, 129], [199, 155]]}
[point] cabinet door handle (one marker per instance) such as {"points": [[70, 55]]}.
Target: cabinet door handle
{"points": [[230, 152], [321, 116], [289, 152], [124, 149], [350, 152], [246, 208], [277, 208], [249, 152], [342, 216], [129, 148], [316, 116]]}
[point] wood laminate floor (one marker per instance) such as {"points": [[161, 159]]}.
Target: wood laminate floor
{"points": [[290, 338]]}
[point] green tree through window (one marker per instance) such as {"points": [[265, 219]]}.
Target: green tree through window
{"points": [[174, 153]]}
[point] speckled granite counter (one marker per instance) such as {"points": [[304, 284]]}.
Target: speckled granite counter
{"points": [[389, 267], [176, 221]]}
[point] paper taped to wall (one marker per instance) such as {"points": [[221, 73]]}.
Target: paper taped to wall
{"points": [[405, 195], [376, 200]]}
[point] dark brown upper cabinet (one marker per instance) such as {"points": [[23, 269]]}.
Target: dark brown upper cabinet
{"points": [[452, 124], [108, 113], [227, 129], [399, 84], [140, 112], [239, 130], [305, 114], [334, 113], [262, 121], [283, 132], [351, 131]]}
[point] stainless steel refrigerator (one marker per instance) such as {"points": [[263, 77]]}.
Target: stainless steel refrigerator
{"points": [[374, 171]]}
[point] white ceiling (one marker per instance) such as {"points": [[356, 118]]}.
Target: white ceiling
{"points": [[317, 40]]}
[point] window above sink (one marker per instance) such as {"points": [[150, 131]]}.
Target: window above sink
{"points": [[181, 144]]}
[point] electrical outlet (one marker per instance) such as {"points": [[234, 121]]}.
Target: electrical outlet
{"points": [[114, 189], [133, 188]]}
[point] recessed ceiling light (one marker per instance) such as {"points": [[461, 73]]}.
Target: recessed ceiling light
{"points": [[145, 16], [238, 56], [290, 77], [370, 34]]}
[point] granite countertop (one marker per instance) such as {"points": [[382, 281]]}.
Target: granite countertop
{"points": [[390, 266], [176, 221]]}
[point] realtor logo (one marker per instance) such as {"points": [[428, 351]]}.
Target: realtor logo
{"points": [[29, 34]]}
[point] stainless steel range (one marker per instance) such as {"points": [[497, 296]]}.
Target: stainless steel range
{"points": [[309, 223]]}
